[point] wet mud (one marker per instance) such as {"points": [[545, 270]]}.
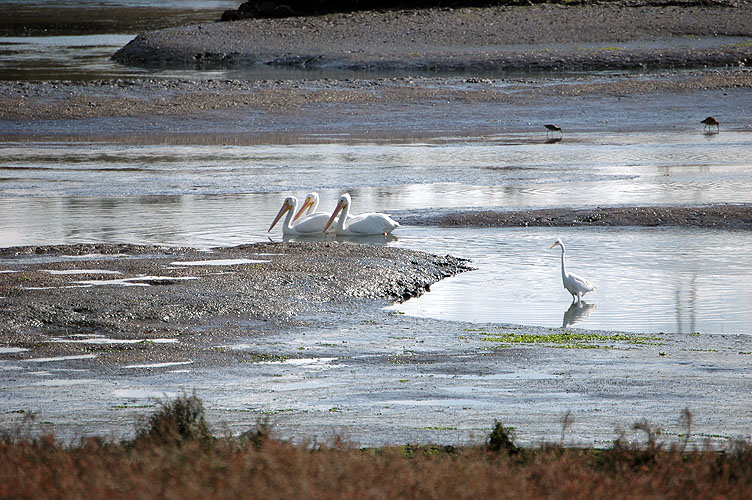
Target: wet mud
{"points": [[126, 292], [303, 341], [302, 337], [461, 39], [734, 217], [49, 19], [243, 112]]}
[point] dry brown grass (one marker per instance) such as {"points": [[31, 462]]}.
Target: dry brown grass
{"points": [[196, 465]]}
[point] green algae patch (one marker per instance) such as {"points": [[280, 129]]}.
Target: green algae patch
{"points": [[571, 340]]}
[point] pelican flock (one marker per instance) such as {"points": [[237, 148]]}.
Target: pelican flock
{"points": [[310, 225], [311, 222], [312, 219]]}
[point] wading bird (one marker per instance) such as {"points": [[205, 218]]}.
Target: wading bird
{"points": [[359, 225], [309, 226], [312, 219], [576, 285], [711, 122], [553, 128]]}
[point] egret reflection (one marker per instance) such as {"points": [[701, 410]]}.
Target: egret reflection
{"points": [[577, 312]]}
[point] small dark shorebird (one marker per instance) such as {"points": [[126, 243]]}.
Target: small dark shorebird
{"points": [[553, 128], [711, 122]]}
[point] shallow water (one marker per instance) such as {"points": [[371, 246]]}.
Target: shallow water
{"points": [[648, 279], [516, 170], [84, 34], [652, 280], [62, 57], [78, 55]]}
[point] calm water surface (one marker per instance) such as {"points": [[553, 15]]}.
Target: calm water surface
{"points": [[670, 280], [647, 279]]}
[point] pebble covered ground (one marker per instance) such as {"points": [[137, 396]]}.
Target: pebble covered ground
{"points": [[537, 37], [160, 298]]}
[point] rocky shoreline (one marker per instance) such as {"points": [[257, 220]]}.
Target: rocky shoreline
{"points": [[547, 37], [51, 291], [357, 106], [733, 217], [298, 341]]}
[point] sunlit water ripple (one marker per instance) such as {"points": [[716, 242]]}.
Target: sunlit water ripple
{"points": [[648, 279]]}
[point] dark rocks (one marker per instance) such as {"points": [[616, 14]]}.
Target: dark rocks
{"points": [[452, 40], [297, 278], [712, 216], [289, 8]]}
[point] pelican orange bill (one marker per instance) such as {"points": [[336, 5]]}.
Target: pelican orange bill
{"points": [[308, 203], [340, 205], [285, 207]]}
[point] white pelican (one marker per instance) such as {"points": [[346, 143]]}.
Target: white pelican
{"points": [[312, 218], [308, 226], [360, 225], [576, 285]]}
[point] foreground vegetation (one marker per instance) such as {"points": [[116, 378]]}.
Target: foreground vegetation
{"points": [[175, 456]]}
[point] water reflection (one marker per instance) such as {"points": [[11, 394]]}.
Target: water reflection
{"points": [[648, 278], [577, 312], [686, 303], [371, 239], [593, 170], [205, 195]]}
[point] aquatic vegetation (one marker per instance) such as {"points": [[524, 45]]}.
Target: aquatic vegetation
{"points": [[260, 357], [570, 340]]}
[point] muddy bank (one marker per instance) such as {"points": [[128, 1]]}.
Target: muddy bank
{"points": [[289, 8], [297, 340], [151, 303], [358, 107], [53, 20], [713, 216], [535, 37]]}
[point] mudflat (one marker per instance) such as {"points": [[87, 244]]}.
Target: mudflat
{"points": [[126, 291], [539, 37], [302, 336]]}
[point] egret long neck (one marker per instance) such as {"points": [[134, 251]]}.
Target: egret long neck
{"points": [[563, 266]]}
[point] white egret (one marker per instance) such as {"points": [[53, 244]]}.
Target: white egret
{"points": [[315, 221], [289, 206], [576, 285], [359, 225]]}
